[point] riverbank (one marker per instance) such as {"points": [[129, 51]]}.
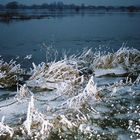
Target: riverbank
{"points": [[90, 95]]}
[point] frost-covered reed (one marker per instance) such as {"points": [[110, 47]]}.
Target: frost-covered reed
{"points": [[36, 124], [5, 129], [90, 91], [23, 93]]}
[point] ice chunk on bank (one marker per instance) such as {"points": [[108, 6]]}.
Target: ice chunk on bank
{"points": [[113, 71]]}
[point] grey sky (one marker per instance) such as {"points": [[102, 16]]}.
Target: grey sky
{"points": [[93, 2]]}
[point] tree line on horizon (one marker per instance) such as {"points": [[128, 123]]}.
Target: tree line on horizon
{"points": [[61, 6]]}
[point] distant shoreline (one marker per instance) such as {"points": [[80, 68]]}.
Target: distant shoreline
{"points": [[28, 14], [61, 6], [12, 10]]}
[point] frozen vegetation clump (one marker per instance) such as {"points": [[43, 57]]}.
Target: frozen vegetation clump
{"points": [[10, 73], [74, 69], [124, 56], [54, 75], [89, 92]]}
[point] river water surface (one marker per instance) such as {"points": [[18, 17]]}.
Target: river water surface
{"points": [[71, 32], [53, 104]]}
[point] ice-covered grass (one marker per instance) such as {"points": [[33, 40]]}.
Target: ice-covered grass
{"points": [[65, 99], [62, 75], [127, 58], [73, 69]]}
